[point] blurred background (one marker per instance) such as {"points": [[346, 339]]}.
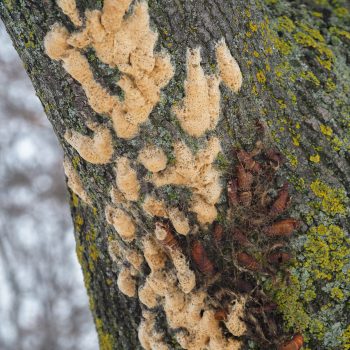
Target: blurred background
{"points": [[43, 303]]}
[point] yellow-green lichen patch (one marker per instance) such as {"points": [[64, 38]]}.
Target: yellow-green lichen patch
{"points": [[105, 339], [341, 12], [296, 142], [346, 338], [92, 249], [330, 85], [287, 297], [261, 77], [294, 37], [315, 158], [340, 32], [314, 300], [319, 275], [336, 143], [8, 4], [292, 158], [286, 24], [80, 252], [78, 222], [75, 200], [326, 130], [309, 37], [327, 253], [283, 46], [309, 76], [75, 162], [325, 275], [332, 200]]}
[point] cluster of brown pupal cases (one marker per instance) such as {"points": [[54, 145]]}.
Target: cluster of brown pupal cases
{"points": [[252, 243], [255, 213]]}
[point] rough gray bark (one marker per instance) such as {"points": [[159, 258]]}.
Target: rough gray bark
{"points": [[296, 80]]}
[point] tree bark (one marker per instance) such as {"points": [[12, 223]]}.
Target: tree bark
{"points": [[294, 58]]}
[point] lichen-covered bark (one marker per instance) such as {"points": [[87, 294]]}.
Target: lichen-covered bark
{"points": [[294, 57]]}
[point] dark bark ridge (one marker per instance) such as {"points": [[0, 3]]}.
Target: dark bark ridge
{"points": [[295, 80]]}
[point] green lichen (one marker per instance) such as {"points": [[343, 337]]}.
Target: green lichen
{"points": [[8, 4], [78, 222], [286, 24], [315, 158], [287, 297], [75, 200], [340, 32], [310, 76], [309, 37], [296, 141], [283, 46], [292, 158], [330, 85], [80, 252], [92, 249], [320, 273], [105, 339], [341, 12], [327, 253], [222, 162], [261, 77], [332, 200], [325, 263], [346, 338], [298, 35], [337, 293], [75, 162], [326, 130], [314, 300]]}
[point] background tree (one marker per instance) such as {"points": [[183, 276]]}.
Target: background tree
{"points": [[294, 61]]}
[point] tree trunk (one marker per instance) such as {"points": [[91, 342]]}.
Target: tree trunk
{"points": [[294, 59]]}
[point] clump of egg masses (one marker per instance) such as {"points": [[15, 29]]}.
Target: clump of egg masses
{"points": [[126, 43], [188, 310], [129, 262], [198, 173]]}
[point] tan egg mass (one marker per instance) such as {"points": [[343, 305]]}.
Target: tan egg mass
{"points": [[200, 109], [122, 223], [154, 207], [153, 158], [127, 181], [126, 282], [230, 72], [69, 8], [74, 181], [97, 149]]}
